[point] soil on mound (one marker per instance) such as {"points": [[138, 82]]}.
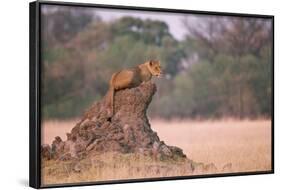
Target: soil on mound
{"points": [[128, 131]]}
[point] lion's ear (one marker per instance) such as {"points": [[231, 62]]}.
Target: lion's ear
{"points": [[150, 62]]}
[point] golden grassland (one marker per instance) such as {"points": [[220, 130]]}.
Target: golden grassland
{"points": [[111, 166], [246, 143], [243, 144]]}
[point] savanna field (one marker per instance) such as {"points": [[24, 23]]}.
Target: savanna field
{"points": [[231, 145]]}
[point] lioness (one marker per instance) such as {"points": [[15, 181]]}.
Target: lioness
{"points": [[129, 78]]}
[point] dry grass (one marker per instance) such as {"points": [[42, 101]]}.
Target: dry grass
{"points": [[245, 144], [111, 166]]}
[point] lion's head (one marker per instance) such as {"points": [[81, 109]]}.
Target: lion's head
{"points": [[154, 67]]}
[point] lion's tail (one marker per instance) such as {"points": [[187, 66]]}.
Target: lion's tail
{"points": [[111, 93]]}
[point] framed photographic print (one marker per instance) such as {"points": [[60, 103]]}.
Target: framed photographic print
{"points": [[132, 94]]}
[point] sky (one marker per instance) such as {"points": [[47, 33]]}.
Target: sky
{"points": [[173, 20]]}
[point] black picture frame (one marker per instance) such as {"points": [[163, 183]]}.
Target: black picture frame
{"points": [[35, 94]]}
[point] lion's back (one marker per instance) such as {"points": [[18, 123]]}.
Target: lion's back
{"points": [[125, 79]]}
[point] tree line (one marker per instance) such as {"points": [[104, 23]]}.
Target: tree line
{"points": [[221, 68]]}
